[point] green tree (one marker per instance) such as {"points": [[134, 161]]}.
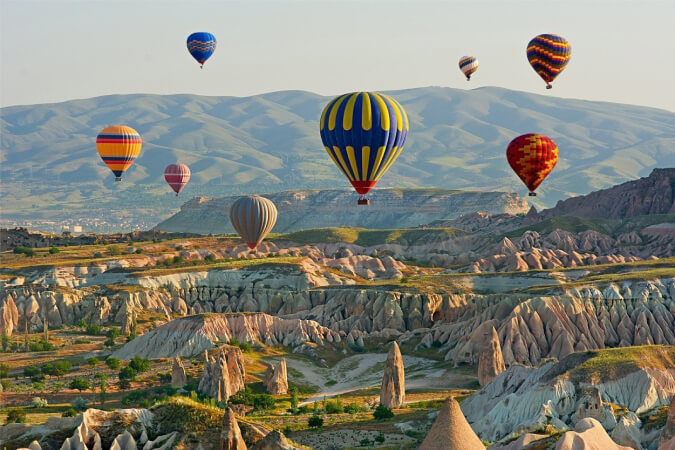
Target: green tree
{"points": [[382, 412], [294, 400], [5, 342], [127, 373], [30, 371], [16, 415], [113, 363], [315, 421], [80, 384], [53, 250], [61, 367], [102, 383], [139, 364], [114, 250], [113, 333], [4, 370], [352, 408], [379, 438], [92, 361]]}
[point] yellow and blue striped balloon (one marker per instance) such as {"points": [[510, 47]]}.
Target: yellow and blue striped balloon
{"points": [[118, 146], [364, 133]]}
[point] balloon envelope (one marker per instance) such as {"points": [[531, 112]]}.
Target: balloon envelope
{"points": [[253, 217], [468, 65], [364, 133], [201, 46], [548, 55], [177, 175], [118, 146], [532, 157]]}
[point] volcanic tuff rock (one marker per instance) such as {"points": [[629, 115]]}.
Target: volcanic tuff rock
{"points": [[124, 441], [189, 336], [389, 208], [490, 360], [178, 377], [275, 440], [654, 194], [451, 430], [224, 373], [588, 435], [276, 379], [522, 399], [667, 441], [392, 393], [230, 435]]}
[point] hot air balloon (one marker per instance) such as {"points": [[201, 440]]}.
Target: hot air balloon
{"points": [[177, 175], [363, 133], [118, 146], [201, 46], [548, 55], [468, 65], [532, 157], [253, 217]]}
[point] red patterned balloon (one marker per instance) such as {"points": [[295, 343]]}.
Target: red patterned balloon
{"points": [[532, 157], [177, 175]]}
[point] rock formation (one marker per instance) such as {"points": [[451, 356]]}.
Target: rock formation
{"points": [[223, 373], [275, 440], [667, 441], [588, 435], [230, 434], [124, 441], [276, 378], [451, 430], [393, 380], [490, 360], [178, 377]]}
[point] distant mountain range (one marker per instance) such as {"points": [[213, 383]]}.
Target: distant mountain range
{"points": [[270, 143]]}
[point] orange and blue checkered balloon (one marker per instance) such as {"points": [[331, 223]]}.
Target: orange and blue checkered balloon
{"points": [[118, 146], [548, 55], [532, 157], [364, 133]]}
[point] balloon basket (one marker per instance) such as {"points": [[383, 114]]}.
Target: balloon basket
{"points": [[532, 194], [118, 178], [468, 78], [363, 201], [176, 194], [548, 86]]}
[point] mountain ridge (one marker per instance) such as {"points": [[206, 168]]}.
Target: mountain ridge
{"points": [[270, 143]]}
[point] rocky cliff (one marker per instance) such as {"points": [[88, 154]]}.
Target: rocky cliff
{"points": [[389, 208]]}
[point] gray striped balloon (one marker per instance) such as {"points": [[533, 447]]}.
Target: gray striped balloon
{"points": [[253, 217]]}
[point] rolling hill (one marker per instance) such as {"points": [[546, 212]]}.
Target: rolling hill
{"points": [[270, 143]]}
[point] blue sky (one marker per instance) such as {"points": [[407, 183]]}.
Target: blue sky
{"points": [[55, 50]]}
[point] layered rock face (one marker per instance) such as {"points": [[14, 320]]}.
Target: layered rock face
{"points": [[275, 440], [224, 373], [651, 195], [178, 377], [490, 360], [191, 335], [392, 393], [230, 434], [451, 430], [522, 399], [588, 435], [276, 378], [390, 208], [667, 440]]}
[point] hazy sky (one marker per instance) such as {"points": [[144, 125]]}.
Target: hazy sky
{"points": [[55, 50]]}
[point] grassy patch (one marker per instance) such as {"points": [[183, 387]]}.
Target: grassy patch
{"points": [[233, 264], [365, 237]]}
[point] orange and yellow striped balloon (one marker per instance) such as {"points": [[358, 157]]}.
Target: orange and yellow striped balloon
{"points": [[118, 146]]}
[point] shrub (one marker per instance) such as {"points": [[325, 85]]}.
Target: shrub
{"points": [[92, 361], [139, 364], [4, 370], [16, 415], [70, 412], [352, 408], [114, 250], [113, 363], [53, 250], [139, 251], [80, 384], [109, 342], [333, 407], [30, 371], [128, 373], [93, 329], [124, 384], [79, 404], [315, 421], [210, 257], [379, 438], [365, 442], [113, 333], [6, 384], [24, 251], [48, 369], [39, 402], [98, 255], [382, 412], [61, 367], [41, 346]]}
